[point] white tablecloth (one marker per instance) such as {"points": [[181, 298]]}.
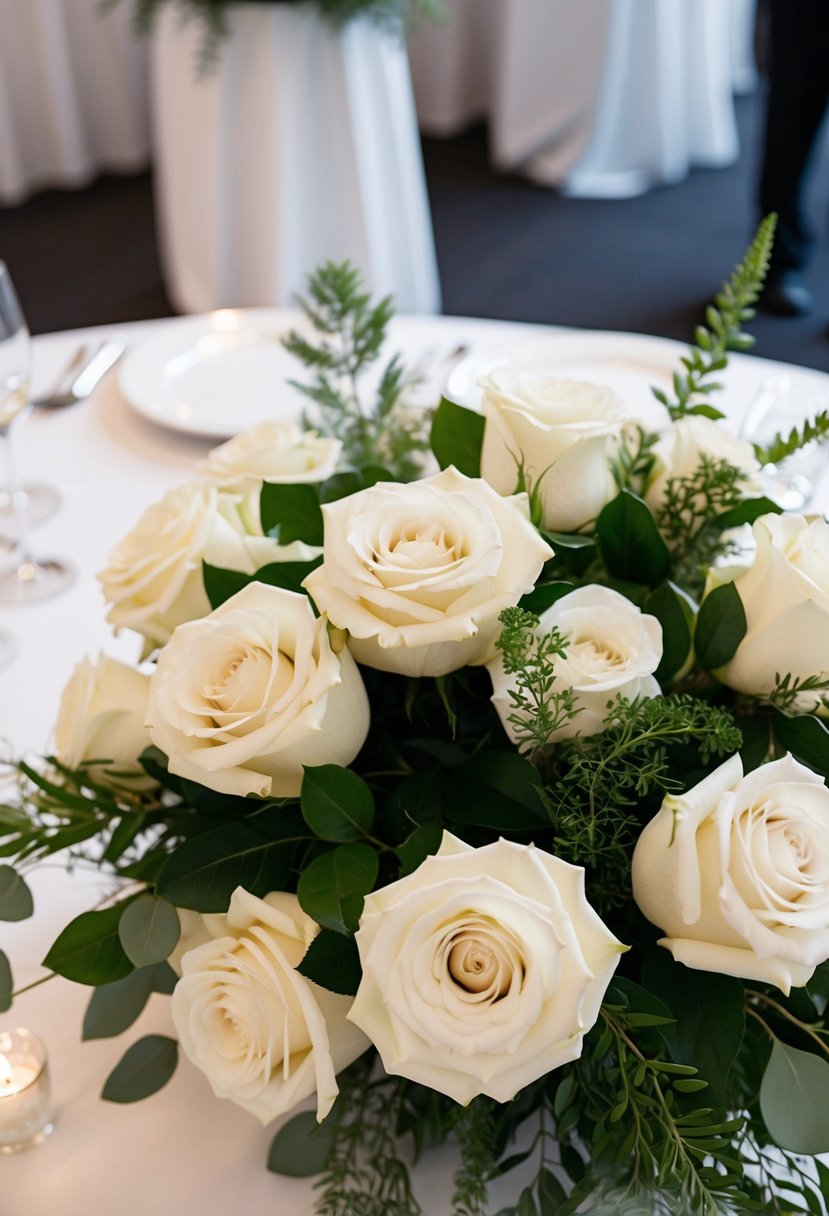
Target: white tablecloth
{"points": [[73, 95], [181, 1151], [605, 98]]}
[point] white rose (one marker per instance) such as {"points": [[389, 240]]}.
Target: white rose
{"points": [[564, 432], [681, 447], [102, 713], [785, 594], [153, 577], [264, 1036], [736, 873], [272, 451], [243, 698], [613, 650], [482, 970], [419, 573]]}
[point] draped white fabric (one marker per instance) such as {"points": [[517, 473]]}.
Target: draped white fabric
{"points": [[300, 145], [73, 95], [605, 98]]}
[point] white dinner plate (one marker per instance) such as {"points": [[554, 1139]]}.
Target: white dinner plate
{"points": [[215, 375], [628, 363]]}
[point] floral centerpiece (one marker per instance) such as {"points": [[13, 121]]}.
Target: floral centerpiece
{"points": [[473, 788]]}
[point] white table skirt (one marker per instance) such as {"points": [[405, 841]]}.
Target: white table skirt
{"points": [[298, 145], [181, 1151], [73, 95], [605, 98]]}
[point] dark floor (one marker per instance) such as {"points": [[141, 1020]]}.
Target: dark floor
{"points": [[505, 248]]}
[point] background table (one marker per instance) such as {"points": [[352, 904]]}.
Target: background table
{"points": [[182, 1151]]}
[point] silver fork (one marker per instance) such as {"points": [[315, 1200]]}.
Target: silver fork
{"points": [[86, 372]]}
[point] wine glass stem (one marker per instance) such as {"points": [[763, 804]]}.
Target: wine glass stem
{"points": [[17, 502]]}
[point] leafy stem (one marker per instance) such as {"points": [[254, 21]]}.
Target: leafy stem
{"points": [[761, 998]]}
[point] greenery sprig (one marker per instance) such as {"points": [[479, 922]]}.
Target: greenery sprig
{"points": [[690, 518], [723, 333], [539, 709], [350, 332], [813, 430]]}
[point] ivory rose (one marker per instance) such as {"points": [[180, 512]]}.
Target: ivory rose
{"points": [[736, 873], [101, 717], [563, 432], [153, 577], [276, 451], [613, 649], [682, 446], [785, 594], [482, 970], [243, 698], [419, 573], [264, 1036]]}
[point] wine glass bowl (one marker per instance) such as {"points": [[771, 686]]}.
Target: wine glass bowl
{"points": [[780, 404], [29, 579]]}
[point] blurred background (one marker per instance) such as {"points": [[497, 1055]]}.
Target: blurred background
{"points": [[590, 164]]}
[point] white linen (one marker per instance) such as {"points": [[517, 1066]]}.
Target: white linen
{"points": [[297, 146], [606, 98], [73, 95], [200, 1155]]}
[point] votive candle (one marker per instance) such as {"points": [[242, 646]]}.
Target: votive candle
{"points": [[25, 1101]]}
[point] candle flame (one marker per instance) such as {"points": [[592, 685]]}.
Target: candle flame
{"points": [[5, 1071]]}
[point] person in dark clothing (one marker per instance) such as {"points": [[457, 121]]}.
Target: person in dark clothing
{"points": [[797, 104]]}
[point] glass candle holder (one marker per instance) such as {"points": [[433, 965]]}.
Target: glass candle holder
{"points": [[25, 1101]]}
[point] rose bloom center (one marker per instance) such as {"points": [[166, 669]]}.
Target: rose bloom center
{"points": [[247, 679], [478, 965], [424, 545], [595, 652]]}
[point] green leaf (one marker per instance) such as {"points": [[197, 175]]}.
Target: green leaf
{"points": [[336, 804], [332, 889], [551, 1194], [149, 930], [793, 1099], [806, 738], [143, 1070], [89, 949], [205, 870], [544, 596], [291, 512], [457, 437], [16, 901], [630, 541], [6, 983], [301, 1147], [114, 1007], [333, 962], [747, 512], [675, 613], [496, 790], [756, 732], [721, 626], [700, 1000], [568, 540], [221, 584], [818, 988]]}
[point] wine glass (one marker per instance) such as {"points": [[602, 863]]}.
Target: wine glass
{"points": [[779, 404], [29, 579]]}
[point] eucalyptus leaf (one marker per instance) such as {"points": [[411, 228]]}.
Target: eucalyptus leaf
{"points": [[149, 930], [89, 949], [6, 983], [333, 962], [818, 988], [721, 626], [301, 1147], [291, 512], [16, 901], [457, 437], [332, 888], [205, 870], [747, 512], [143, 1070], [675, 612], [793, 1099], [336, 803], [630, 541], [114, 1007]]}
